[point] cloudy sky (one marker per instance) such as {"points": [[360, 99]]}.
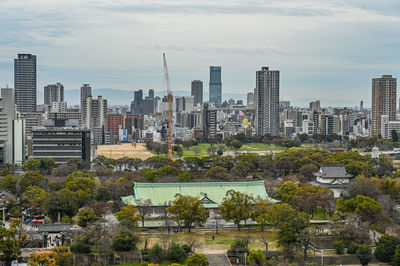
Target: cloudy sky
{"points": [[325, 49]]}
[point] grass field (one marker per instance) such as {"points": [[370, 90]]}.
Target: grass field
{"points": [[247, 147]]}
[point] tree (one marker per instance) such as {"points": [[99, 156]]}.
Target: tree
{"points": [[395, 136], [83, 187], [35, 198], [367, 208], [176, 253], [212, 149], [236, 144], [32, 179], [236, 207], [396, 257], [144, 207], [364, 254], [42, 258], [9, 249], [197, 260], [47, 165], [188, 211], [86, 217], [156, 254], [125, 240], [129, 215], [31, 165], [186, 176], [61, 203], [63, 256], [257, 257], [218, 172], [386, 247], [196, 150], [9, 183], [239, 246], [64, 170]]}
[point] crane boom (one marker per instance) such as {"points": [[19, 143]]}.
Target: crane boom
{"points": [[170, 98]]}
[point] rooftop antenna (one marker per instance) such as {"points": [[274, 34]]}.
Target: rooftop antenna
{"points": [[6, 82]]}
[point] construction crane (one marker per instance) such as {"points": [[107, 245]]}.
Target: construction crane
{"points": [[170, 98]]}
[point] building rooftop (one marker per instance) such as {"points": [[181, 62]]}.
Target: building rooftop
{"points": [[333, 171], [211, 193]]}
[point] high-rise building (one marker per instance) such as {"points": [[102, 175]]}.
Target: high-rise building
{"points": [[250, 99], [361, 106], [315, 106], [267, 102], [384, 96], [86, 91], [197, 91], [151, 94], [7, 115], [53, 93], [215, 86], [209, 122], [137, 103], [25, 82], [94, 117]]}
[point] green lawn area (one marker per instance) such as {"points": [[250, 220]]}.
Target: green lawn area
{"points": [[245, 147], [319, 215]]}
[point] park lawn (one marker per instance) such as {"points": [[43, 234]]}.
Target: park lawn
{"points": [[319, 215], [222, 240]]}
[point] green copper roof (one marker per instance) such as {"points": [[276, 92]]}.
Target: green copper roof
{"points": [[211, 193]]}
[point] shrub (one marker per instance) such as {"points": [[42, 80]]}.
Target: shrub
{"points": [[386, 247], [197, 260], [156, 254], [80, 248], [169, 171], [186, 176], [239, 246], [176, 253], [352, 249], [338, 246], [257, 257], [124, 240], [396, 257], [364, 254], [187, 248]]}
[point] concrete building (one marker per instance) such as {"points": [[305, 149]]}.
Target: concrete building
{"points": [[7, 115], [250, 99], [25, 82], [388, 126], [384, 96], [53, 93], [61, 144], [137, 103], [63, 119], [209, 122], [94, 117], [215, 86], [58, 107], [32, 119], [148, 106], [197, 92], [315, 106], [267, 102], [19, 141], [151, 94], [86, 91], [308, 127]]}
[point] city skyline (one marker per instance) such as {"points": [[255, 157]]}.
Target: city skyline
{"points": [[326, 51]]}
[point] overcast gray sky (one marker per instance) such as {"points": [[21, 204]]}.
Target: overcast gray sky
{"points": [[325, 49]]}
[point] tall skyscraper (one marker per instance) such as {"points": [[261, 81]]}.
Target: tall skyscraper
{"points": [[7, 115], [94, 117], [86, 91], [267, 102], [209, 122], [137, 103], [197, 91], [250, 99], [384, 96], [25, 82], [53, 93], [215, 86], [151, 94]]}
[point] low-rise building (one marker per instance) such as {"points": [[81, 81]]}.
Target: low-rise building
{"points": [[334, 177]]}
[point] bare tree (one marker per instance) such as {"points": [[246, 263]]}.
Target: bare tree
{"points": [[144, 208], [265, 242]]}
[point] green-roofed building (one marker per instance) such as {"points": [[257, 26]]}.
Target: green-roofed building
{"points": [[210, 193]]}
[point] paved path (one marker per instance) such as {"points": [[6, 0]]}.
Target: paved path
{"points": [[218, 260]]}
